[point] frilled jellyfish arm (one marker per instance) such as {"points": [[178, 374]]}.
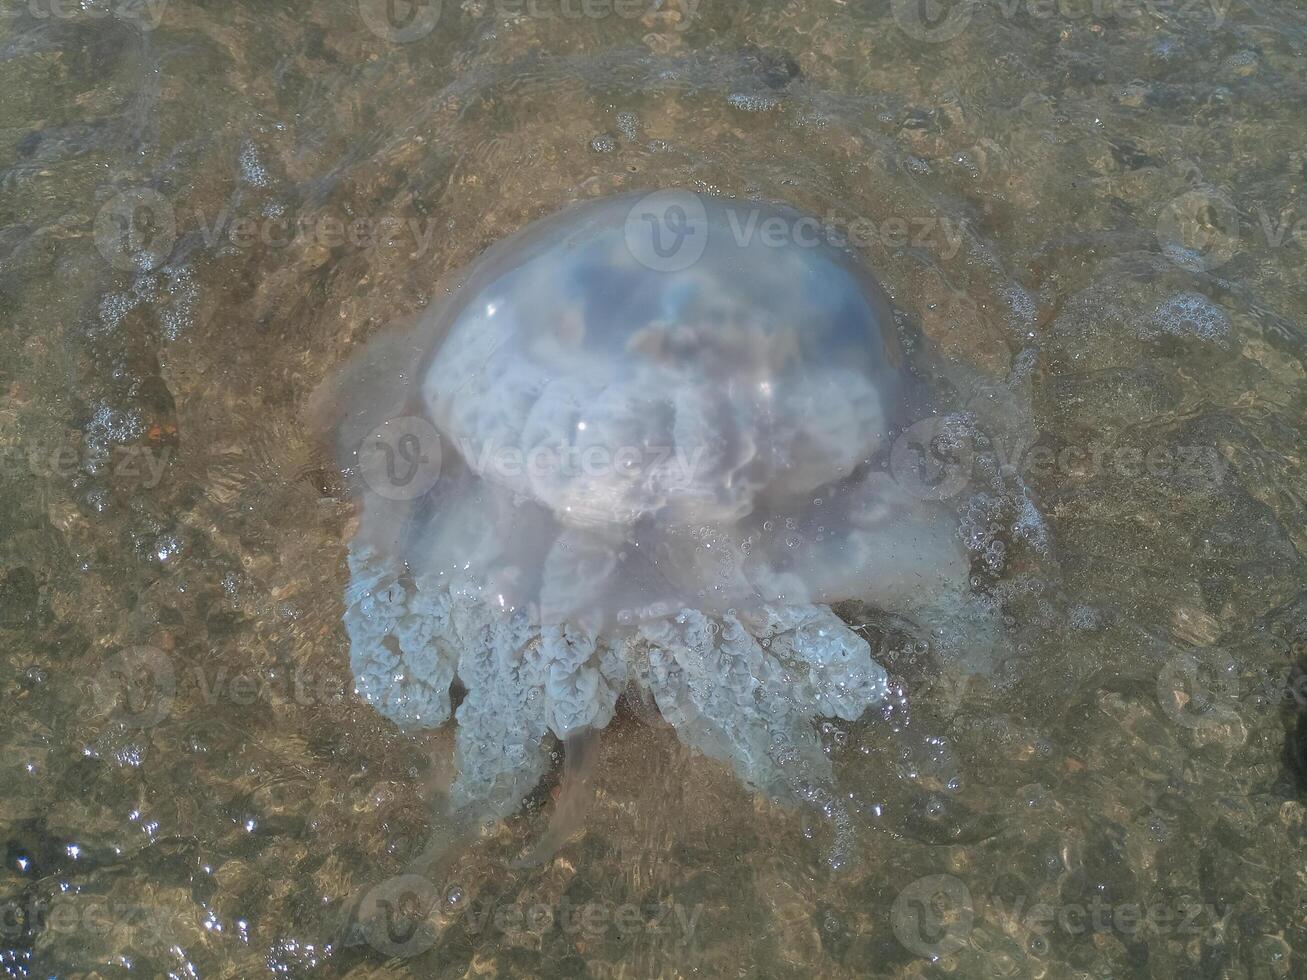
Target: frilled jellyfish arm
{"points": [[403, 652], [582, 677], [522, 683], [501, 722], [829, 665], [752, 705], [409, 637]]}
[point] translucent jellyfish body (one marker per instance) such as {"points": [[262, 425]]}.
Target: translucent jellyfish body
{"points": [[639, 444]]}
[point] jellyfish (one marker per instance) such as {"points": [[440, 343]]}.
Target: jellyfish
{"points": [[637, 448]]}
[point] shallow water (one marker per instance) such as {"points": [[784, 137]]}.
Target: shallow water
{"points": [[1095, 211]]}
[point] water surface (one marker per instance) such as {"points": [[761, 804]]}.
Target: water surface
{"points": [[1095, 208]]}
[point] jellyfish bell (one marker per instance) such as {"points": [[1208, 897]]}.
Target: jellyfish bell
{"points": [[638, 445], [637, 402], [681, 394]]}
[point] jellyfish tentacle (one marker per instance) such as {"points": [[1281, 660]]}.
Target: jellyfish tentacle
{"points": [[501, 723], [582, 678], [836, 671], [753, 707], [580, 757], [400, 651], [731, 700]]}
